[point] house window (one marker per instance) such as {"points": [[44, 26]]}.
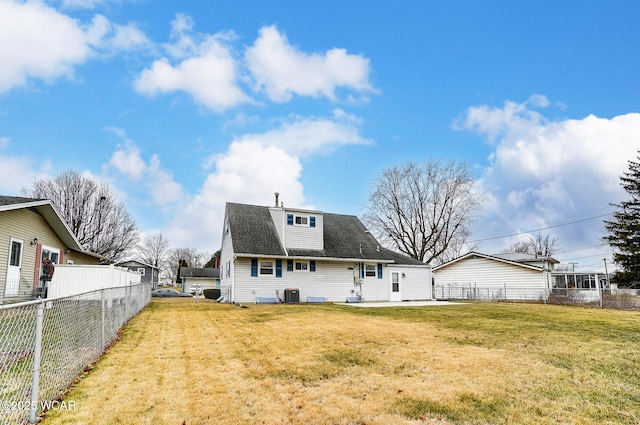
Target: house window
{"points": [[266, 268], [370, 270], [141, 270], [302, 266], [52, 254], [301, 220], [16, 250]]}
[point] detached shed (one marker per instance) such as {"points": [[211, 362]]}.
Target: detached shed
{"points": [[204, 277], [512, 276]]}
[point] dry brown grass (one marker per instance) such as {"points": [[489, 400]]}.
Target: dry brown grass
{"points": [[181, 362]]}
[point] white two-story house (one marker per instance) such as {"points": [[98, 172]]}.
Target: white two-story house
{"points": [[267, 250]]}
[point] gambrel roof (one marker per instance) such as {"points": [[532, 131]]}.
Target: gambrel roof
{"points": [[254, 233]]}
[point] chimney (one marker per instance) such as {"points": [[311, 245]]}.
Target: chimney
{"points": [[277, 194]]}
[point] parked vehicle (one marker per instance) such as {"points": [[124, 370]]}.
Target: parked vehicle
{"points": [[169, 293], [195, 290]]}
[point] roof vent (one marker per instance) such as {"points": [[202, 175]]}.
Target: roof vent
{"points": [[277, 195]]}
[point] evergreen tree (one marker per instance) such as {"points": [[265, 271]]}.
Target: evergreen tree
{"points": [[181, 263], [624, 228]]}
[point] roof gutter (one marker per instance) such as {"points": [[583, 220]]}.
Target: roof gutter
{"points": [[346, 260]]}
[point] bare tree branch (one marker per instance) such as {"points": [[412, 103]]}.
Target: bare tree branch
{"points": [[154, 250], [424, 211], [101, 224]]}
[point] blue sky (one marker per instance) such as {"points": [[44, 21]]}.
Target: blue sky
{"points": [[183, 106]]}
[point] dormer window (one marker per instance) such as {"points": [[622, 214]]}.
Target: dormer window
{"points": [[301, 220]]}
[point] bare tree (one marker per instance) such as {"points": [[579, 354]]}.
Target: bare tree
{"points": [[539, 245], [101, 223], [154, 250], [519, 247], [543, 246], [189, 256], [424, 211]]}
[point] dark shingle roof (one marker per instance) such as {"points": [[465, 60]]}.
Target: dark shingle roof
{"points": [[200, 272], [12, 200], [252, 230], [345, 236]]}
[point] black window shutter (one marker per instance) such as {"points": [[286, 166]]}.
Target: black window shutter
{"points": [[254, 267]]}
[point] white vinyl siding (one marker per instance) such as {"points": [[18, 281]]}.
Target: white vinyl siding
{"points": [[521, 282], [279, 220], [332, 280], [415, 282], [26, 225], [304, 236]]}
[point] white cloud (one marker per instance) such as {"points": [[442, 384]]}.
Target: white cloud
{"points": [[81, 4], [248, 172], [512, 118], [146, 179], [18, 172], [546, 172], [127, 160], [282, 71], [305, 136], [206, 70], [253, 168], [38, 42]]}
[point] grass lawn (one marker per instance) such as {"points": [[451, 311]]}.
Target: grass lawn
{"points": [[182, 362]]}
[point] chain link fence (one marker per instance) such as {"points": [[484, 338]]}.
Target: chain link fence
{"points": [[608, 298], [46, 344]]}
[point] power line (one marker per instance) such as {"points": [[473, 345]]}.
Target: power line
{"points": [[542, 228], [581, 249], [606, 254]]}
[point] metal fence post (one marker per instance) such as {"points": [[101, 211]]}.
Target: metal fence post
{"points": [[127, 294], [103, 342], [37, 355]]}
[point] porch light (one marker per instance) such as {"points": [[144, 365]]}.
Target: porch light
{"points": [[34, 241]]}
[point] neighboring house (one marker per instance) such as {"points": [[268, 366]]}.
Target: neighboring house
{"points": [[207, 277], [148, 273], [584, 284], [31, 233], [267, 250], [512, 276]]}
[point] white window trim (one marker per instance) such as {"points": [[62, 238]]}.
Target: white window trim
{"points": [[296, 217], [52, 249], [367, 271], [273, 267], [295, 266]]}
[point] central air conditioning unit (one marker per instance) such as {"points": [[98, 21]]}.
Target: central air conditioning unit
{"points": [[291, 296]]}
